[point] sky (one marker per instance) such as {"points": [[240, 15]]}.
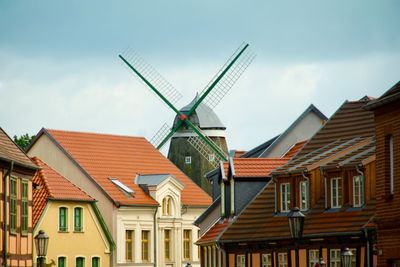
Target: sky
{"points": [[59, 65]]}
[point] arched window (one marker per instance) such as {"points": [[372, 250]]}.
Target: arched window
{"points": [[167, 206], [78, 219]]}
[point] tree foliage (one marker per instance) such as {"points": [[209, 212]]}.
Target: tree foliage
{"points": [[23, 141]]}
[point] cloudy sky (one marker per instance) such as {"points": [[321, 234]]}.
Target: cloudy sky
{"points": [[59, 66]]}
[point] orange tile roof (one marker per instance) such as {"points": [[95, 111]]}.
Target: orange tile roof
{"points": [[53, 186], [214, 232], [255, 167], [123, 157], [295, 149], [9, 151]]}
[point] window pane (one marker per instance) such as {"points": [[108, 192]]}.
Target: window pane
{"points": [[129, 238], [145, 245], [187, 244], [78, 219], [167, 244], [80, 262], [95, 262], [61, 262], [63, 219]]}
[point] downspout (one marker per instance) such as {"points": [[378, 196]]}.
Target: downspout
{"points": [[303, 173], [5, 212], [155, 236]]}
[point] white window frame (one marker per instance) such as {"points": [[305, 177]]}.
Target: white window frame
{"points": [[266, 260], [337, 190], [222, 199], [211, 157], [285, 197], [282, 259], [358, 191], [303, 194], [188, 160], [313, 257], [241, 260], [334, 257]]}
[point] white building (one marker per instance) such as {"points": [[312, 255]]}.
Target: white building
{"points": [[148, 204]]}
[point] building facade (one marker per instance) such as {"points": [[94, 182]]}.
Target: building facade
{"points": [[387, 129], [131, 180], [16, 170], [77, 233]]}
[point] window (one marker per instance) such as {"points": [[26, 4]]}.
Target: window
{"points": [[334, 258], [62, 262], [188, 160], [80, 262], [78, 219], [240, 260], [62, 219], [303, 195], [211, 157], [24, 207], [285, 197], [336, 192], [198, 247], [266, 260], [187, 240], [129, 238], [145, 245], [232, 185], [313, 256], [389, 161], [95, 262], [222, 199], [282, 260], [358, 191], [13, 204], [167, 244], [167, 206]]}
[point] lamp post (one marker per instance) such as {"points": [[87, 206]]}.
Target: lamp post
{"points": [[41, 243], [296, 224], [346, 256]]}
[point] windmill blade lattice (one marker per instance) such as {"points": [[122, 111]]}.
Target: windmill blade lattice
{"points": [[160, 135], [204, 150], [152, 76], [229, 79]]}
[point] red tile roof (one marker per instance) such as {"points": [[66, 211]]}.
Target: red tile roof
{"points": [[256, 167], [214, 232], [53, 186], [9, 151], [295, 149], [258, 222], [123, 157]]}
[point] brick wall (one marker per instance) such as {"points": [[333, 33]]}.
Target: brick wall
{"points": [[387, 119]]}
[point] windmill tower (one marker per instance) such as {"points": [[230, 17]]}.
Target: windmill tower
{"points": [[197, 131]]}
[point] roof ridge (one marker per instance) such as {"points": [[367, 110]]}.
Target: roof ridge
{"points": [[94, 133]]}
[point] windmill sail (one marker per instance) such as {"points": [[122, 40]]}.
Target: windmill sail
{"points": [[147, 74], [205, 150], [230, 77], [160, 135]]}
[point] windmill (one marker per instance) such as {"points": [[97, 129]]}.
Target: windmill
{"points": [[208, 99]]}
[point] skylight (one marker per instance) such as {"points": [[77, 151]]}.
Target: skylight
{"points": [[121, 185]]}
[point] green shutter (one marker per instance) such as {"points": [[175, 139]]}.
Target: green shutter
{"points": [[95, 262], [61, 262], [13, 204], [80, 262], [24, 207], [63, 219], [78, 219]]}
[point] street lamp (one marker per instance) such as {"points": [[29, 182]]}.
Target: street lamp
{"points": [[41, 244], [296, 224], [346, 257]]}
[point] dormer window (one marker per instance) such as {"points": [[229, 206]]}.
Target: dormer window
{"points": [[167, 206], [303, 187], [285, 197], [336, 192], [358, 191]]}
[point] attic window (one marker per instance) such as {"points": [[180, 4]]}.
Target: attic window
{"points": [[125, 188]]}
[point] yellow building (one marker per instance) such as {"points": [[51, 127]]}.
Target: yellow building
{"points": [[71, 219]]}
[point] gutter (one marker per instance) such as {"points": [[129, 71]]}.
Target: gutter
{"points": [[8, 173]]}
